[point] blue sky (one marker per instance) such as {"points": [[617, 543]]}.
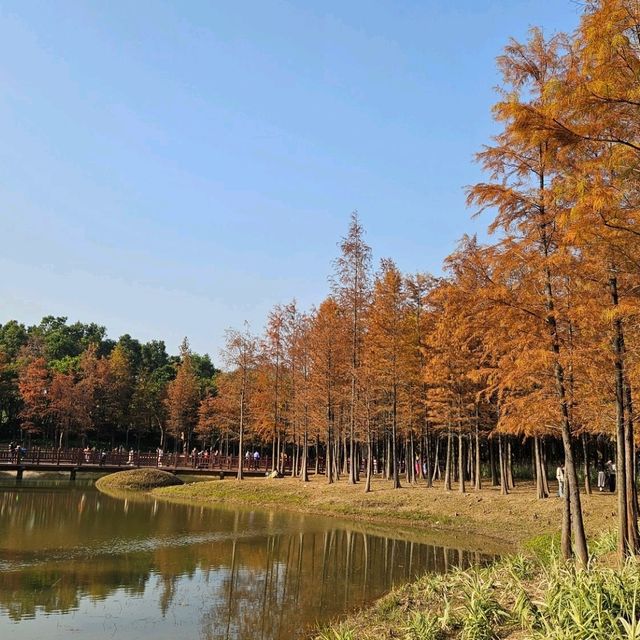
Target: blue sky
{"points": [[174, 168]]}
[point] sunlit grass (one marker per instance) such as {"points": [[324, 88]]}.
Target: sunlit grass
{"points": [[518, 596], [337, 633]]}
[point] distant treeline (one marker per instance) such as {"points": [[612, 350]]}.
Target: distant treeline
{"points": [[68, 384]]}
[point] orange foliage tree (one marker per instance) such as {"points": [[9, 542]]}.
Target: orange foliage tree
{"points": [[183, 395]]}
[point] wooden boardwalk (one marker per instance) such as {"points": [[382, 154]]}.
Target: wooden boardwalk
{"points": [[78, 460]]}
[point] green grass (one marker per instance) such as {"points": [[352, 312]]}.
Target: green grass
{"points": [[600, 603], [230, 491], [537, 597], [137, 480], [544, 547], [337, 633], [606, 542], [423, 626]]}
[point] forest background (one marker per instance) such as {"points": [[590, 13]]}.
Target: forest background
{"points": [[529, 338]]}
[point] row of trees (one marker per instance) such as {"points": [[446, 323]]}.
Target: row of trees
{"points": [[61, 381], [529, 339], [534, 334]]}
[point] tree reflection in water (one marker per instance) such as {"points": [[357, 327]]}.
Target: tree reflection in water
{"points": [[216, 573]]}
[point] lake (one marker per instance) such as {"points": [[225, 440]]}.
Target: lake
{"points": [[77, 563]]}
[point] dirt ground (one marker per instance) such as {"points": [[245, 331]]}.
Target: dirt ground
{"points": [[484, 519]]}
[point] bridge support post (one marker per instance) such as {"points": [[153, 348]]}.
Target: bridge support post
{"points": [[221, 475], [19, 473], [72, 474]]}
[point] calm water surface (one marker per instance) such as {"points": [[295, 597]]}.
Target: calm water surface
{"points": [[77, 563]]}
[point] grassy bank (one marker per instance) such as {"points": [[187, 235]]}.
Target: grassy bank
{"points": [[517, 598], [508, 521]]}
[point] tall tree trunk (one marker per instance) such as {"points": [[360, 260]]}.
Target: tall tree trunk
{"points": [[352, 420], [294, 456], [586, 466], [387, 456], [543, 462], [630, 466], [454, 460], [539, 468], [240, 475], [621, 485], [492, 463], [461, 484], [394, 447], [414, 459], [274, 453], [478, 474], [427, 457], [565, 535], [304, 471], [328, 463], [447, 466], [577, 523], [367, 484], [279, 452], [571, 477], [436, 462], [504, 490], [407, 469], [346, 462]]}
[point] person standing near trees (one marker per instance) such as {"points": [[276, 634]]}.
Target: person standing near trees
{"points": [[611, 475], [560, 478], [601, 477]]}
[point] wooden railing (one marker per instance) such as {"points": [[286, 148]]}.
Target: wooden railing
{"points": [[79, 457]]}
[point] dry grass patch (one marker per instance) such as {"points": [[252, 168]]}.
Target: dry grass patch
{"points": [[507, 520]]}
